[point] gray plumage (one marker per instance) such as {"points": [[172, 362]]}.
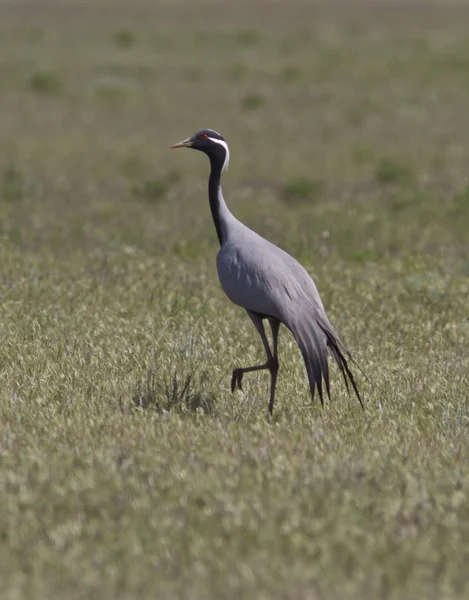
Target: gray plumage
{"points": [[270, 284]]}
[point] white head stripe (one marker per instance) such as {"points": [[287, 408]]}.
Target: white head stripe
{"points": [[227, 151]]}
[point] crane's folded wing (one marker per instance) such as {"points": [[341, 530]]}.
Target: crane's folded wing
{"points": [[265, 279]]}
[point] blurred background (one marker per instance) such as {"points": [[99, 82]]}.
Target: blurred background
{"points": [[350, 113]]}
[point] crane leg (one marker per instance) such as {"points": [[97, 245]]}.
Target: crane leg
{"points": [[272, 358], [274, 326]]}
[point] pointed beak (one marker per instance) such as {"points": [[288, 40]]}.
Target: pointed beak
{"points": [[184, 144]]}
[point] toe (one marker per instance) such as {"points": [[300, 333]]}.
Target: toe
{"points": [[234, 380]]}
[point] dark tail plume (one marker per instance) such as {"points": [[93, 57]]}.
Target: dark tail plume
{"points": [[314, 340]]}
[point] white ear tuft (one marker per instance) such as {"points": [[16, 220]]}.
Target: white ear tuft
{"points": [[227, 152]]}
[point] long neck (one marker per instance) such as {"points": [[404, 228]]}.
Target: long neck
{"points": [[218, 206]]}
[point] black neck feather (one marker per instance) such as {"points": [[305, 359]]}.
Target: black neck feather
{"points": [[214, 191]]}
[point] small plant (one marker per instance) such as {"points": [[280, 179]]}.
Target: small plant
{"points": [[405, 198], [151, 190], [124, 38], [45, 82], [252, 101], [13, 185], [301, 190], [461, 200], [363, 154], [457, 212], [290, 73], [145, 394], [176, 392], [237, 70], [154, 190], [388, 172], [248, 37]]}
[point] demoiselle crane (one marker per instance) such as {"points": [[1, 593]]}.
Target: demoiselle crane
{"points": [[270, 284]]}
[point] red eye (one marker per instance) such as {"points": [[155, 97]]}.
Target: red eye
{"points": [[205, 136]]}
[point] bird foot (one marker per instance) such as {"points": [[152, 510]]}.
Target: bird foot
{"points": [[236, 380]]}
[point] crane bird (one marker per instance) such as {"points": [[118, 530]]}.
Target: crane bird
{"points": [[270, 284]]}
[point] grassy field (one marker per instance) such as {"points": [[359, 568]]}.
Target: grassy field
{"points": [[128, 470]]}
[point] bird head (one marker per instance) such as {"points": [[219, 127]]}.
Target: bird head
{"points": [[210, 142]]}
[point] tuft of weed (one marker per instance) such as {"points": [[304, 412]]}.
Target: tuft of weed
{"points": [[389, 171], [182, 392], [237, 70], [457, 213], [290, 74], [13, 184], [124, 38], [461, 202], [248, 37], [252, 101], [362, 154], [45, 82], [151, 190], [404, 198], [301, 189]]}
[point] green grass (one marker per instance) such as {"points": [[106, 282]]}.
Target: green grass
{"points": [[43, 82], [301, 189], [128, 470]]}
